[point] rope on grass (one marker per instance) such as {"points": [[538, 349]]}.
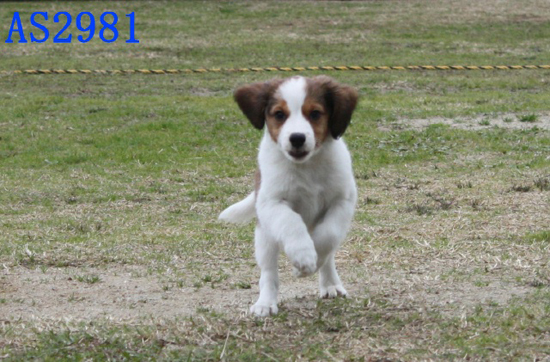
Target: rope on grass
{"points": [[273, 69]]}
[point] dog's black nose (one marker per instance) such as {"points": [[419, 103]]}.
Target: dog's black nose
{"points": [[297, 139]]}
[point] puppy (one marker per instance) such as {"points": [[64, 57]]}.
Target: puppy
{"points": [[305, 193]]}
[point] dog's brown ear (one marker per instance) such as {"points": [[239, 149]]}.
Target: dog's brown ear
{"points": [[341, 101], [253, 99]]}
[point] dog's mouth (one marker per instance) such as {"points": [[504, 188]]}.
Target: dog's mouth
{"points": [[298, 154]]}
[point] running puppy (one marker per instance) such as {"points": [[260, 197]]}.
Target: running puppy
{"points": [[305, 193]]}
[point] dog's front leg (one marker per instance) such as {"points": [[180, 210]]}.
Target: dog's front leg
{"points": [[327, 236], [286, 227], [279, 225], [267, 255]]}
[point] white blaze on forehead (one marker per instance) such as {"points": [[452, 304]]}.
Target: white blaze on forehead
{"points": [[293, 91]]}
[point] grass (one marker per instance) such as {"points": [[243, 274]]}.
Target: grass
{"points": [[530, 118], [90, 279], [370, 324], [110, 186], [541, 236]]}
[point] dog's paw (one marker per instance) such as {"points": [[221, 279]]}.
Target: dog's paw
{"points": [[264, 310], [333, 291], [304, 263]]}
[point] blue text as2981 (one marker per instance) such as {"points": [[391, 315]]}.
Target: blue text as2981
{"points": [[107, 19]]}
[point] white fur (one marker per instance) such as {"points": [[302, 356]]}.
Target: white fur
{"points": [[241, 212], [304, 207], [293, 91]]}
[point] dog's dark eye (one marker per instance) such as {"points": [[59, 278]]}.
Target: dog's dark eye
{"points": [[315, 115], [280, 116]]}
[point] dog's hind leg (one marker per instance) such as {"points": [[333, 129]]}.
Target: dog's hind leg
{"points": [[327, 236], [267, 255], [330, 285]]}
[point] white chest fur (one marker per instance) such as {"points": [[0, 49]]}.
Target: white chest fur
{"points": [[307, 188]]}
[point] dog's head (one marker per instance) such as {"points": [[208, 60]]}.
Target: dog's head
{"points": [[300, 113]]}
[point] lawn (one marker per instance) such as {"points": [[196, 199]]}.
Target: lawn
{"points": [[110, 185]]}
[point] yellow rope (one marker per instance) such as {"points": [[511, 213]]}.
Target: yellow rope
{"points": [[272, 69]]}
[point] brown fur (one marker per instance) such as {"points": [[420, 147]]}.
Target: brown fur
{"points": [[335, 101], [257, 181], [257, 185], [274, 125], [320, 126], [339, 101], [253, 100]]}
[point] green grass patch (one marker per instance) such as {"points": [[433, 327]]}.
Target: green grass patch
{"points": [[541, 237], [529, 118]]}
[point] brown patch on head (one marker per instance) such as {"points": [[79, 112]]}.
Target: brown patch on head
{"points": [[338, 100], [328, 106], [315, 111], [276, 115], [253, 100]]}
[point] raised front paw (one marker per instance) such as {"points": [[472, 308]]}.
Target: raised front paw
{"points": [[304, 262], [333, 291], [264, 310]]}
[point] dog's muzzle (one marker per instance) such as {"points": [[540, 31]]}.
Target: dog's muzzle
{"points": [[297, 140]]}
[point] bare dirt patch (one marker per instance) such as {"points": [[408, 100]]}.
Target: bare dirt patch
{"points": [[33, 295], [121, 294], [506, 120]]}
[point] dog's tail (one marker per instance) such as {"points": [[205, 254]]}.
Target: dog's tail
{"points": [[241, 212]]}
